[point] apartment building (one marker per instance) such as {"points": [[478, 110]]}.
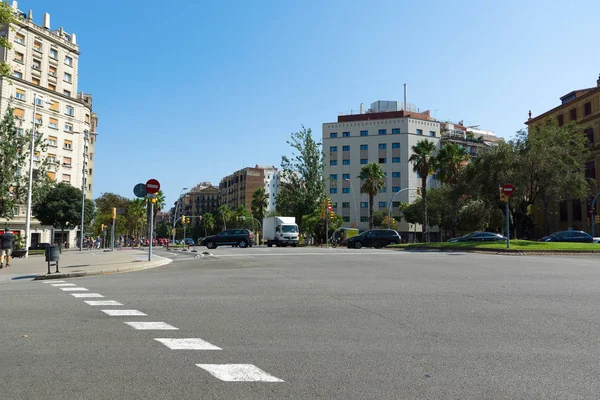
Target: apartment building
{"points": [[272, 183], [382, 137], [472, 139], [203, 199], [581, 106], [238, 188], [45, 66]]}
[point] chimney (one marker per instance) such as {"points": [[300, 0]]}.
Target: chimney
{"points": [[30, 16], [15, 5], [362, 108], [73, 38], [46, 21], [61, 32]]}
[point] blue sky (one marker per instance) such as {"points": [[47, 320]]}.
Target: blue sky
{"points": [[191, 91]]}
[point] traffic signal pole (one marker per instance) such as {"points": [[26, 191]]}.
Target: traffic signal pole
{"points": [[151, 230], [507, 226], [593, 216]]}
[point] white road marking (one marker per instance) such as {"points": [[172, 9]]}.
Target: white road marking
{"points": [[103, 303], [238, 373], [53, 281], [62, 284], [74, 289], [187, 344], [119, 313], [337, 253], [84, 295], [149, 326]]}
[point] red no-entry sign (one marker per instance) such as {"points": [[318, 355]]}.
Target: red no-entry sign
{"points": [[508, 189], [152, 186]]}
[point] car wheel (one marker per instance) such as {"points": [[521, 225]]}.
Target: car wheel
{"points": [[357, 245], [243, 244], [211, 245], [269, 244]]}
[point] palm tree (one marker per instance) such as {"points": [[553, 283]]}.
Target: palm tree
{"points": [[449, 161], [260, 200], [225, 212], [423, 161], [373, 180], [158, 206], [241, 214], [136, 217], [208, 220]]}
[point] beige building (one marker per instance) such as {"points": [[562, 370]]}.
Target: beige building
{"points": [[45, 66], [238, 188]]}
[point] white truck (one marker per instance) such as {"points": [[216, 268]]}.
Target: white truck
{"points": [[280, 231]]}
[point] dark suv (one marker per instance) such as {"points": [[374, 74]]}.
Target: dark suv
{"points": [[374, 238], [236, 237], [568, 236]]}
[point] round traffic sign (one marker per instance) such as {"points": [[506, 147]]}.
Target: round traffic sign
{"points": [[152, 186], [140, 190], [508, 189]]}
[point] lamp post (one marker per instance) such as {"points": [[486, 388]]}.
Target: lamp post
{"points": [[175, 213], [355, 205], [85, 139], [392, 202]]}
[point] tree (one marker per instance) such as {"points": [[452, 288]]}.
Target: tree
{"points": [[260, 200], [61, 207], [208, 220], [159, 205], [303, 184], [315, 226], [136, 214], [380, 219], [225, 212], [423, 160], [7, 17], [104, 206], [242, 216], [163, 230], [372, 181]]}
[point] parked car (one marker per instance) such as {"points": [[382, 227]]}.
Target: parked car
{"points": [[39, 246], [189, 242], [377, 238], [568, 236], [478, 237], [235, 237]]}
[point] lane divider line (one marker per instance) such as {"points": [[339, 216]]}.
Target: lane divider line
{"points": [[152, 326], [62, 284], [103, 303], [86, 295], [238, 373], [187, 344], [74, 289], [124, 313]]}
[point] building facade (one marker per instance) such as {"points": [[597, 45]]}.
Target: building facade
{"points": [[385, 138], [473, 140], [272, 181], [45, 65], [581, 106], [203, 200], [238, 188]]}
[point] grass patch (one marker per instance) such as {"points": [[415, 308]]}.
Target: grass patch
{"points": [[514, 245], [36, 252]]}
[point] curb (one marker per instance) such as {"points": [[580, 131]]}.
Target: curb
{"points": [[60, 275], [508, 252]]}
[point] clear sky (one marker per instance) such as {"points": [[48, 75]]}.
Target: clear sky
{"points": [[190, 91]]}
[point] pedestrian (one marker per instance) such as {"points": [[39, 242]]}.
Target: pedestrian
{"points": [[6, 245], [98, 240]]}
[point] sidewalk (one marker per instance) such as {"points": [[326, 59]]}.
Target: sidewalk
{"points": [[75, 263]]}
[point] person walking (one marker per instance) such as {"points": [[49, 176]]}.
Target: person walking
{"points": [[6, 245]]}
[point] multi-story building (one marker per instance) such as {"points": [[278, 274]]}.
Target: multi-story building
{"points": [[203, 199], [581, 106], [382, 137], [45, 65], [238, 188], [472, 139], [272, 182]]}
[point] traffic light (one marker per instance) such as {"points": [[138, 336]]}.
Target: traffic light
{"points": [[597, 219], [331, 216], [183, 219], [503, 197], [114, 213], [187, 220]]}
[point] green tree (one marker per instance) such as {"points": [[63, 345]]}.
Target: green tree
{"points": [[242, 216], [136, 214], [380, 219], [7, 17], [449, 164], [423, 160], [163, 230], [315, 226], [260, 200], [303, 185], [159, 205], [104, 206], [372, 181], [208, 220], [225, 213]]}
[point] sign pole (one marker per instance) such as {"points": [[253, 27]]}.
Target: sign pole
{"points": [[507, 226], [151, 233], [184, 229], [112, 235]]}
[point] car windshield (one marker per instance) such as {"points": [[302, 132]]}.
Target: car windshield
{"points": [[289, 229]]}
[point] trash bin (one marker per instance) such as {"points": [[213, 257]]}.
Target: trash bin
{"points": [[52, 253]]}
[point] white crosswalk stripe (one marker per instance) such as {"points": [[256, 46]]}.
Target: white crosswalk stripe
{"points": [[103, 303], [187, 344], [86, 295], [62, 284], [238, 373], [53, 281], [150, 326], [74, 289], [124, 313]]}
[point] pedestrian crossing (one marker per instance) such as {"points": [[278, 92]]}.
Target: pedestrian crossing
{"points": [[223, 372]]}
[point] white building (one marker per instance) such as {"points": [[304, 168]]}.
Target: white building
{"points": [[272, 182], [45, 64], [386, 138]]}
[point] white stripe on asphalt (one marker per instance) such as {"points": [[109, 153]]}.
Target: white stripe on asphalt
{"points": [[62, 284], [103, 303], [187, 344], [337, 253], [83, 295], [238, 373], [53, 281], [74, 289], [120, 313], [149, 326]]}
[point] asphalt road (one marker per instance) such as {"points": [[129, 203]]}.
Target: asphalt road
{"points": [[302, 323]]}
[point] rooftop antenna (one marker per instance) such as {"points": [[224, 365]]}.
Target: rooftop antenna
{"points": [[405, 97]]}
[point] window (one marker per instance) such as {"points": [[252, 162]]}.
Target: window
{"points": [[333, 177], [384, 189], [36, 156], [67, 93], [66, 178], [52, 158], [17, 74], [382, 160], [19, 57], [345, 134], [346, 204], [19, 113], [364, 147], [52, 87], [432, 133], [20, 38], [54, 54], [38, 119], [70, 111], [51, 176], [68, 127], [364, 204], [333, 162], [345, 148], [590, 169], [364, 219], [589, 133], [587, 108], [35, 81], [383, 131], [52, 71], [334, 204], [382, 146], [561, 120], [382, 204], [54, 105], [419, 131], [573, 114], [346, 219], [396, 174], [332, 149], [68, 145], [69, 61], [19, 132], [345, 190], [67, 162], [53, 123], [37, 46], [396, 131], [364, 133], [395, 160], [345, 162], [37, 64], [364, 161], [92, 156], [19, 94], [395, 189], [67, 77], [333, 135], [39, 102], [90, 171], [333, 190], [346, 176], [89, 188], [52, 141], [396, 204]]}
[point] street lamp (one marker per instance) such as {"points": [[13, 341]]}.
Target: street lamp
{"points": [[355, 205], [85, 139], [392, 202], [175, 213]]}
